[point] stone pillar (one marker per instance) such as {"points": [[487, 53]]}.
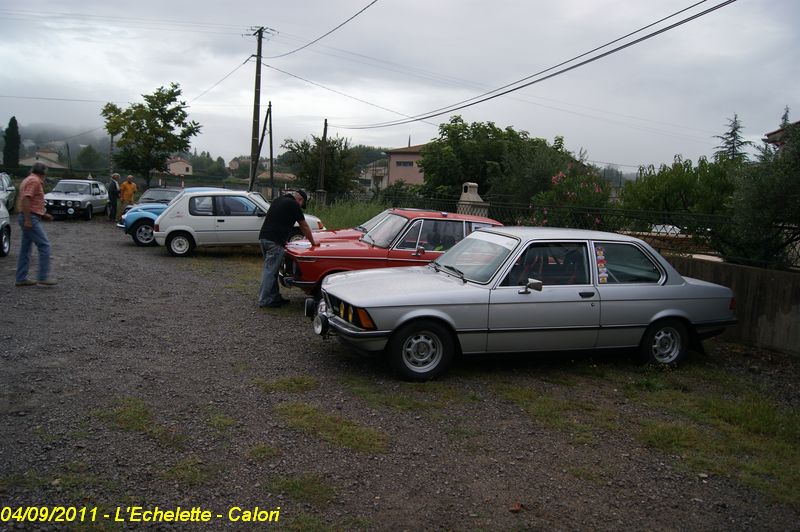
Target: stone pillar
{"points": [[470, 202]]}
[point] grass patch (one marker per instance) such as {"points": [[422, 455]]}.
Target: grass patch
{"points": [[347, 213], [402, 396], [221, 422], [590, 474], [724, 426], [332, 428], [549, 411], [308, 523], [190, 472], [306, 488], [263, 452], [132, 414], [294, 384]]}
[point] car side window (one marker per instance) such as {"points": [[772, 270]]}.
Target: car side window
{"points": [[236, 206], [553, 263], [474, 226], [619, 263], [95, 189], [411, 238], [441, 235], [201, 206]]}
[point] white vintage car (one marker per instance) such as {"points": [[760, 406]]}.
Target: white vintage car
{"points": [[521, 289], [214, 218], [77, 198]]}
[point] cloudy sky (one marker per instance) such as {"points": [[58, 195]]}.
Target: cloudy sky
{"points": [[667, 95]]}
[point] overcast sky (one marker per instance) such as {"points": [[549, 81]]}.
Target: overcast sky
{"points": [[642, 105]]}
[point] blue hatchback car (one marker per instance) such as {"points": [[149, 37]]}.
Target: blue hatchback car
{"points": [[138, 221]]}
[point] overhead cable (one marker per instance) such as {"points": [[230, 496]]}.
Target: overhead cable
{"points": [[495, 94], [324, 35]]}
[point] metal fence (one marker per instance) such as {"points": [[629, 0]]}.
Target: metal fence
{"points": [[680, 233]]}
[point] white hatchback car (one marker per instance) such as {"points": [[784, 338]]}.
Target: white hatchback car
{"points": [[215, 218]]}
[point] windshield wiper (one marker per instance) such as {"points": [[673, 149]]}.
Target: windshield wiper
{"points": [[454, 270]]}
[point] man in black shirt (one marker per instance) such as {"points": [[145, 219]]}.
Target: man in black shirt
{"points": [[281, 217]]}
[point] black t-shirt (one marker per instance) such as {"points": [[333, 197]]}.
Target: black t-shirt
{"points": [[281, 216]]}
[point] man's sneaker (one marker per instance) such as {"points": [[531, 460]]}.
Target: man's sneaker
{"points": [[48, 282], [26, 282]]}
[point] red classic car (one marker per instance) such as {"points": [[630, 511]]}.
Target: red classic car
{"points": [[401, 237]]}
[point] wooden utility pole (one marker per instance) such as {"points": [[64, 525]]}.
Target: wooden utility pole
{"points": [[254, 145], [271, 159], [321, 180]]}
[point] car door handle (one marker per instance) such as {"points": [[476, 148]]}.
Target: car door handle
{"points": [[584, 295], [221, 220]]}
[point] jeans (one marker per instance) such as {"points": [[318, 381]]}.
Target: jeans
{"points": [[273, 256], [34, 235]]}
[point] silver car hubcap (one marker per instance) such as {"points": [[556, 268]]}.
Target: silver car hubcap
{"points": [[666, 345], [422, 351], [180, 245], [6, 242], [145, 233]]}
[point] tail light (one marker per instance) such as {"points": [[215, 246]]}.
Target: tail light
{"points": [[155, 228], [732, 305]]}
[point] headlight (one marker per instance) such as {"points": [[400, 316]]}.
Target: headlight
{"points": [[355, 315], [69, 204]]}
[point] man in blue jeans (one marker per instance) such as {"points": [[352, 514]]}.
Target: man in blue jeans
{"points": [[278, 223], [32, 212]]}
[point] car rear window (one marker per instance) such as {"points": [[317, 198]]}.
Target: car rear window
{"points": [[201, 206]]}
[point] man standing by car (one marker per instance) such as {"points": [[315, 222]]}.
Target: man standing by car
{"points": [[113, 197], [281, 217], [30, 205], [127, 190]]}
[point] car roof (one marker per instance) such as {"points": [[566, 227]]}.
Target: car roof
{"points": [[78, 181], [425, 213], [547, 233], [216, 190]]}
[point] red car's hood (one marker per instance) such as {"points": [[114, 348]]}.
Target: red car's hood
{"points": [[339, 234], [334, 248]]}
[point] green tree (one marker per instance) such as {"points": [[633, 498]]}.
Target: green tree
{"points": [[733, 144], [12, 144], [575, 199], [89, 158], [148, 133], [765, 208], [500, 161], [340, 163]]}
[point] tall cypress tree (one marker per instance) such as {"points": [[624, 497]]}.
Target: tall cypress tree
{"points": [[11, 148]]}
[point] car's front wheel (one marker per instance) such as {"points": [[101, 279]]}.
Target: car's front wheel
{"points": [[180, 244], [421, 350], [665, 343], [5, 242], [142, 233]]}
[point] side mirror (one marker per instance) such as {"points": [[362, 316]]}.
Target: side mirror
{"points": [[534, 284], [419, 251], [260, 213]]}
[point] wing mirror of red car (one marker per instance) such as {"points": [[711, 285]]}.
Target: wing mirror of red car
{"points": [[419, 251]]}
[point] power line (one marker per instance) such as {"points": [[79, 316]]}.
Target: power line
{"points": [[229, 74], [325, 35], [343, 94], [489, 96]]}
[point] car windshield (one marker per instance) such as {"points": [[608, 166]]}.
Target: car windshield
{"points": [[71, 188], [372, 222], [477, 257], [158, 195], [386, 231]]}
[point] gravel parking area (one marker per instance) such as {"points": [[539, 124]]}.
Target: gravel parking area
{"points": [[146, 380]]}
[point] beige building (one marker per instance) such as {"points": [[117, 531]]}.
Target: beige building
{"points": [[46, 156], [403, 166], [179, 166]]}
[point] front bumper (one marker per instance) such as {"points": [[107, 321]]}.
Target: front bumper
{"points": [[63, 210]]}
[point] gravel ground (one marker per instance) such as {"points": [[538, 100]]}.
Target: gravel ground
{"points": [[180, 346]]}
